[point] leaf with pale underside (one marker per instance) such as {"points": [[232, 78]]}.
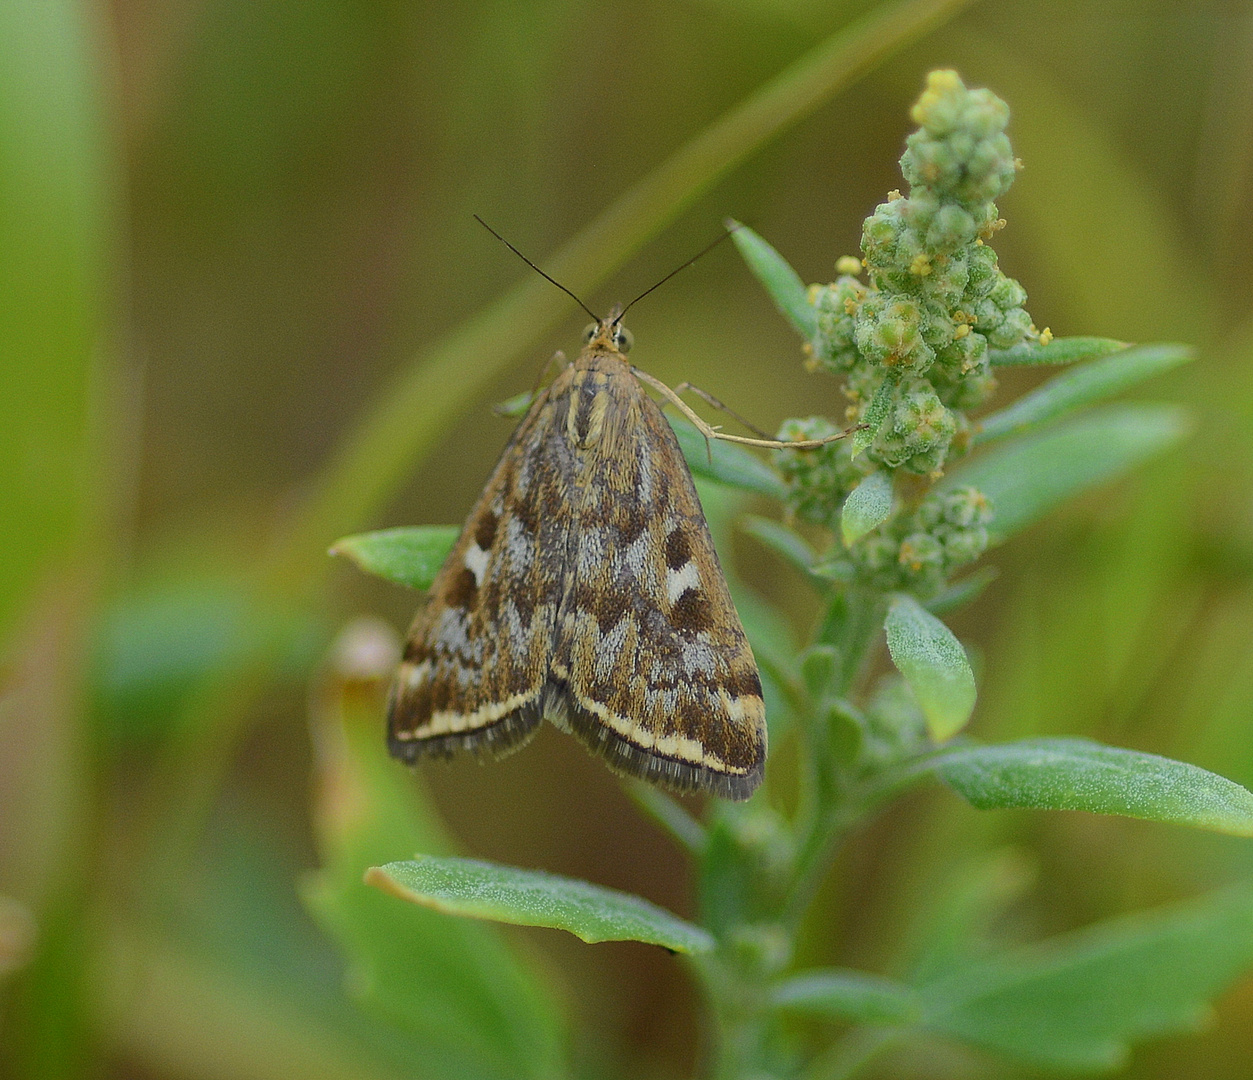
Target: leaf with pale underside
{"points": [[1026, 477], [1067, 350]]}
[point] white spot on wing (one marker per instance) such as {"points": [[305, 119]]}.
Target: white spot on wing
{"points": [[679, 581], [476, 562]]}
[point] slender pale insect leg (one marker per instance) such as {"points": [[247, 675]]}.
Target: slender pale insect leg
{"points": [[714, 433]]}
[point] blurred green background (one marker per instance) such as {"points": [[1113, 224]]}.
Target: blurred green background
{"points": [[226, 226]]}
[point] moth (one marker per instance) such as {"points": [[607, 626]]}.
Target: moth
{"points": [[585, 589]]}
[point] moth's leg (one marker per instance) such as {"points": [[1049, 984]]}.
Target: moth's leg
{"points": [[715, 433], [713, 402]]}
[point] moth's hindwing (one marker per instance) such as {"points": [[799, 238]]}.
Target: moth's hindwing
{"points": [[476, 658], [651, 667]]}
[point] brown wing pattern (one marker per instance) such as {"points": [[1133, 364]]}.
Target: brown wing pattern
{"points": [[651, 667], [477, 656]]}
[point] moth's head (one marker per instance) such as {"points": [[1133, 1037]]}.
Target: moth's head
{"points": [[609, 333]]}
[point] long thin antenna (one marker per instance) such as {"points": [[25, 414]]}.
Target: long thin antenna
{"points": [[703, 251], [538, 270]]}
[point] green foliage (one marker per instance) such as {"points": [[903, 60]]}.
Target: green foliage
{"points": [[1080, 1001], [782, 283], [1081, 386], [483, 890], [915, 345], [846, 994], [1076, 774], [1027, 477], [407, 556], [867, 507], [934, 665], [182, 355]]}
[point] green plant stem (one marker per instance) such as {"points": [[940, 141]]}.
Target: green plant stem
{"points": [[424, 402]]}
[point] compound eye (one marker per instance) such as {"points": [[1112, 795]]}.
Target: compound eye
{"points": [[623, 339], [590, 332]]}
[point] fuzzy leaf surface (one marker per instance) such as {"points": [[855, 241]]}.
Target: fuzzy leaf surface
{"points": [[934, 664], [406, 556], [866, 507], [1066, 350], [1078, 774], [482, 890]]}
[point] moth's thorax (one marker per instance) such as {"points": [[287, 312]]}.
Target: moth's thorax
{"points": [[597, 395]]}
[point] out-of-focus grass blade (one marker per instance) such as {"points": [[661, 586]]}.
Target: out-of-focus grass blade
{"points": [[1080, 1001], [784, 542], [1082, 385], [783, 284], [1031, 475]]}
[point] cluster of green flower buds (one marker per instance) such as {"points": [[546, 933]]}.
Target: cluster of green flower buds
{"points": [[919, 552], [910, 327], [919, 328], [817, 480]]}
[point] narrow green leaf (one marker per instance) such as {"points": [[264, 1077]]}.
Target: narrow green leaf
{"points": [[1081, 386], [1067, 350], [406, 556], [785, 542], [725, 463], [880, 406], [1029, 476], [781, 282], [933, 663], [867, 507], [844, 994], [1081, 1000], [1076, 774], [481, 890]]}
